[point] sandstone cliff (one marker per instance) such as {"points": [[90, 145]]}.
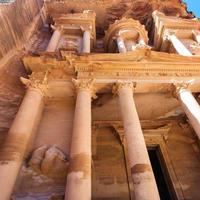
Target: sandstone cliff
{"points": [[18, 21]]}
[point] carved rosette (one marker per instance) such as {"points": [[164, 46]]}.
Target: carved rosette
{"points": [[123, 84], [36, 84], [85, 84]]}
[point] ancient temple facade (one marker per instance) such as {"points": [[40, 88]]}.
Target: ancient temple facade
{"points": [[111, 107]]}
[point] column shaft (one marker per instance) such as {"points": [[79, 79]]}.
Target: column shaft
{"points": [[143, 178], [53, 43], [19, 137], [121, 45], [86, 42], [191, 108], [79, 173], [178, 45]]}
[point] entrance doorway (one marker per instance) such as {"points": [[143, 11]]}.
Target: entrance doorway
{"points": [[164, 184]]}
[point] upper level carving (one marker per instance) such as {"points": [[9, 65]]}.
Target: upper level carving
{"points": [[125, 35], [70, 29], [176, 35]]}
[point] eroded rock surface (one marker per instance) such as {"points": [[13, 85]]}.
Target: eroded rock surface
{"points": [[50, 162]]}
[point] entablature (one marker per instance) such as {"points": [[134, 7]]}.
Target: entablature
{"points": [[152, 71]]}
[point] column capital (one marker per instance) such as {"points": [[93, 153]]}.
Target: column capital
{"points": [[87, 29], [35, 84], [142, 45], [168, 33], [123, 84], [177, 88], [85, 84], [57, 28]]}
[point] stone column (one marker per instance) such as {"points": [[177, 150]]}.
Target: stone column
{"points": [[190, 106], [19, 137], [144, 183], [86, 42], [79, 173], [121, 45], [53, 43], [178, 45]]}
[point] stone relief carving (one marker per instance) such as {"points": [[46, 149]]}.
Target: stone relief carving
{"points": [[49, 161]]}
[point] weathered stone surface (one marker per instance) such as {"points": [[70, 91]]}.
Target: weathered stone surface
{"points": [[49, 161], [18, 21]]}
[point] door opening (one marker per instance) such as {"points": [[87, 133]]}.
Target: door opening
{"points": [[165, 188]]}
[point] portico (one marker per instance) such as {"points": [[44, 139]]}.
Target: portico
{"points": [[108, 90]]}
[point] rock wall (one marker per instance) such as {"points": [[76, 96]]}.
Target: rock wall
{"points": [[18, 20]]}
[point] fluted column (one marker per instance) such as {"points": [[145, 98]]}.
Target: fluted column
{"points": [[53, 43], [86, 41], [144, 183], [19, 136], [190, 106], [121, 45], [177, 44], [79, 173]]}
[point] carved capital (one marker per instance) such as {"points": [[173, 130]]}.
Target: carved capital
{"points": [[142, 45], [123, 84], [57, 28], [177, 88], [168, 34], [85, 84], [36, 84]]}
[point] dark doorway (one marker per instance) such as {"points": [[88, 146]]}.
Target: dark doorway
{"points": [[160, 174]]}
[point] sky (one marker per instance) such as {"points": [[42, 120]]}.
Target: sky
{"points": [[194, 6]]}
